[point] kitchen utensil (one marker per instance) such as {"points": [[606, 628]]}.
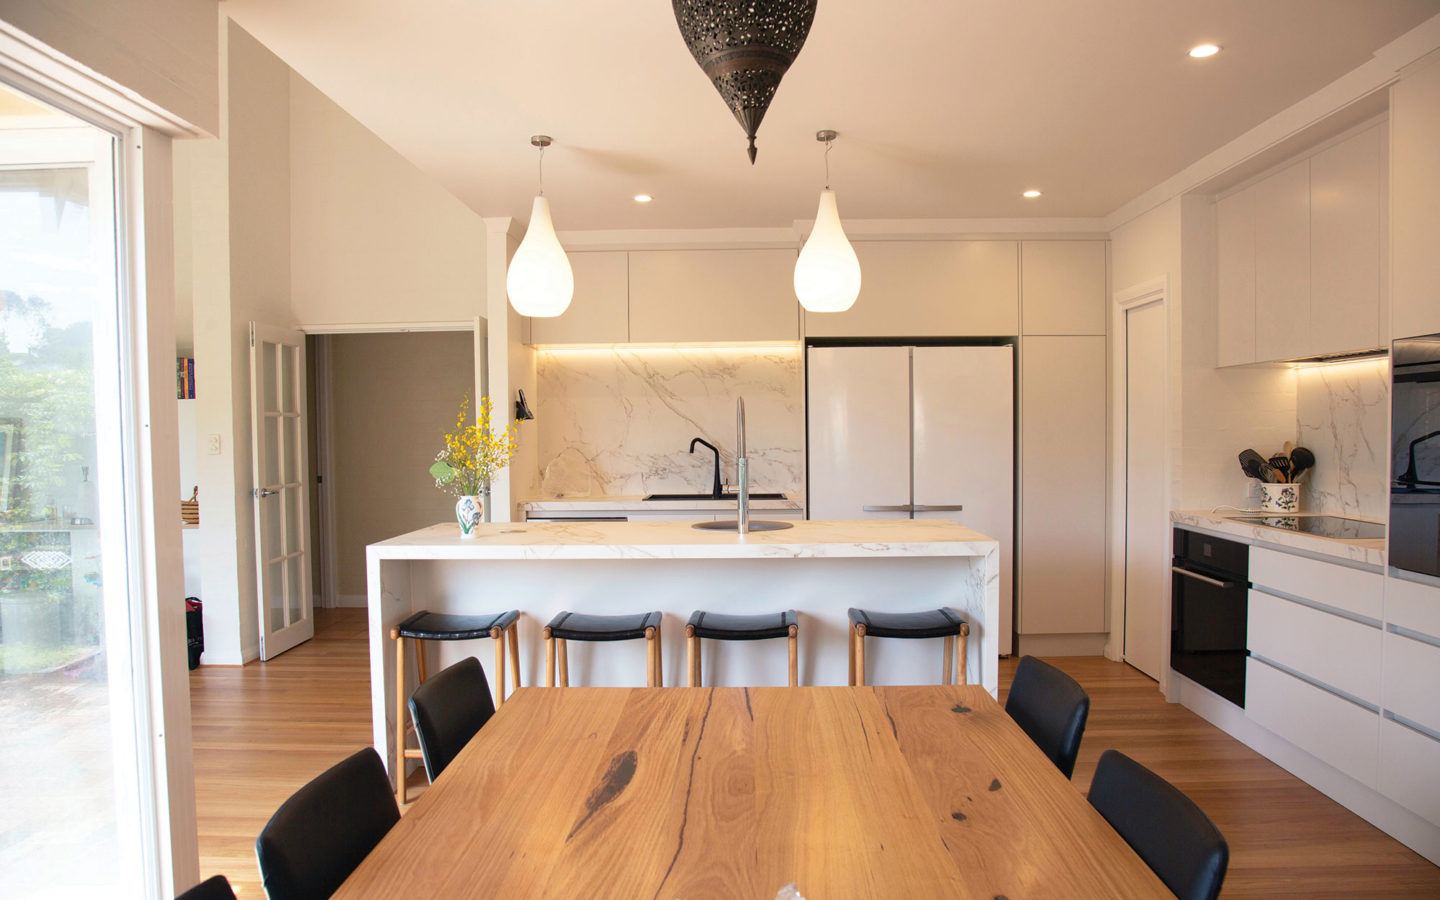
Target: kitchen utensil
{"points": [[1255, 466], [1301, 460], [1281, 464], [1289, 445]]}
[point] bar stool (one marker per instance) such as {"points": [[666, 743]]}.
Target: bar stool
{"points": [[931, 623], [428, 626], [572, 626], [724, 627]]}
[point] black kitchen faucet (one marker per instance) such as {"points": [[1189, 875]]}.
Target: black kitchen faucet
{"points": [[715, 490]]}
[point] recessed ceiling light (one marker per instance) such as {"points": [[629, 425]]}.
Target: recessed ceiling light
{"points": [[1204, 51], [1031, 194], [643, 198]]}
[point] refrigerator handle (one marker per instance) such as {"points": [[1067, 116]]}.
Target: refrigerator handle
{"points": [[896, 507], [940, 507]]}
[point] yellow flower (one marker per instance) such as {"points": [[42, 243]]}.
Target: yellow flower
{"points": [[473, 453]]}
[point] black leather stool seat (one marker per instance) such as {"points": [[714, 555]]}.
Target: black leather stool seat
{"points": [[931, 623], [428, 626], [572, 626], [725, 627]]}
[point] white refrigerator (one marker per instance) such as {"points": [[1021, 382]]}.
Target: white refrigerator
{"points": [[920, 432]]}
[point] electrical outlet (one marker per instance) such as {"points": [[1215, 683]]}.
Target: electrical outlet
{"points": [[213, 445]]}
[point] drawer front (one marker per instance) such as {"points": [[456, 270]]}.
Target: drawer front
{"points": [[1338, 652], [1410, 769], [1412, 680], [1333, 730], [1413, 606], [1339, 586]]}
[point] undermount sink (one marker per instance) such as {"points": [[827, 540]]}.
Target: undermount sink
{"points": [[730, 497], [732, 525]]}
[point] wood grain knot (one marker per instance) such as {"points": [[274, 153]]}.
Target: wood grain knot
{"points": [[612, 783], [958, 816], [960, 708], [995, 784]]}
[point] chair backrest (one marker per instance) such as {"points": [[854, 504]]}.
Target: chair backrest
{"points": [[216, 887], [317, 837], [1050, 707], [1165, 827], [447, 711]]}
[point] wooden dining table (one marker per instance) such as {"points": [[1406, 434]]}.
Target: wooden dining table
{"points": [[918, 791]]}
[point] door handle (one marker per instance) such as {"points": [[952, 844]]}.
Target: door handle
{"points": [[939, 507], [262, 493], [1215, 582], [896, 507]]}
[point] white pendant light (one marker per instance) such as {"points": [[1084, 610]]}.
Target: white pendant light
{"points": [[539, 280], [827, 274]]}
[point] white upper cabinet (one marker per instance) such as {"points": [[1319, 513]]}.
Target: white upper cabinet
{"points": [[1235, 286], [930, 289], [1062, 287], [1282, 263], [1415, 202], [713, 295], [599, 313], [1346, 235]]}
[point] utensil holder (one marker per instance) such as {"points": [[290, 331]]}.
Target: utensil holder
{"points": [[1283, 498]]}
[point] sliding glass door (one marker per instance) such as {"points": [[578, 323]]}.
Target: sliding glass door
{"points": [[77, 808]]}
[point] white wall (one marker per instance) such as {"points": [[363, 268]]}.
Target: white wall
{"points": [[162, 50]]}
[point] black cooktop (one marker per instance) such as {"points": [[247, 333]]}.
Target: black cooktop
{"points": [[1324, 526]]}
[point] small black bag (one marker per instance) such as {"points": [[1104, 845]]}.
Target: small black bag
{"points": [[194, 630]]}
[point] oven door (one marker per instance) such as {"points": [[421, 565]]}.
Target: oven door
{"points": [[1207, 629]]}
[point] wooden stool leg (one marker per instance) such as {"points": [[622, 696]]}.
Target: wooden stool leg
{"points": [[850, 640], [549, 659], [962, 655], [421, 669], [514, 641], [563, 651], [860, 655], [949, 670], [692, 655], [794, 656], [399, 771], [659, 657], [498, 637], [649, 657]]}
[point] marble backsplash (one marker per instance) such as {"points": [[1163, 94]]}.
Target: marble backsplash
{"points": [[1342, 413], [619, 421]]}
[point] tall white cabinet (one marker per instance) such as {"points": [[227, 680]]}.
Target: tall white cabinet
{"points": [[1415, 195]]}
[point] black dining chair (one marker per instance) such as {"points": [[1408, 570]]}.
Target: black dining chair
{"points": [[1051, 708], [448, 709], [216, 887], [1163, 826], [317, 837]]}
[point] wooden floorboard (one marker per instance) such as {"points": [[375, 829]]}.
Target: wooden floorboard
{"points": [[264, 730]]}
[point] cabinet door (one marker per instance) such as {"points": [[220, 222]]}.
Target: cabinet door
{"points": [[1062, 287], [713, 295], [1062, 485], [1282, 263], [1345, 244], [858, 423], [600, 313], [930, 289], [1415, 203], [1235, 251]]}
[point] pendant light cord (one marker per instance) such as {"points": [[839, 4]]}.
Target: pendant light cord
{"points": [[542, 171], [828, 145]]}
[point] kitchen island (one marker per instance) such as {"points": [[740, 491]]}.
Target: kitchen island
{"points": [[818, 569]]}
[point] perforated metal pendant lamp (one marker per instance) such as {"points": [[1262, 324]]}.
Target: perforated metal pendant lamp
{"points": [[745, 47]]}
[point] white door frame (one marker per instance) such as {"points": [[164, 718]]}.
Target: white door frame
{"points": [[1143, 294]]}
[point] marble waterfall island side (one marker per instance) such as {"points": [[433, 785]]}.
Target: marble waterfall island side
{"points": [[818, 569]]}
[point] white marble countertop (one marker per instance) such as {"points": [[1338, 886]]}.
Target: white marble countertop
{"points": [[637, 503], [677, 540], [1370, 551]]}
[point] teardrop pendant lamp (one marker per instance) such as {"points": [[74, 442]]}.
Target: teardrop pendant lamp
{"points": [[539, 280], [827, 273]]}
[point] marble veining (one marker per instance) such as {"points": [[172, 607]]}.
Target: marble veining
{"points": [[619, 421], [1342, 414], [1368, 551]]}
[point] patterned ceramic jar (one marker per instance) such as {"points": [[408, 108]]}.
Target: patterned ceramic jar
{"points": [[1283, 498], [469, 510]]}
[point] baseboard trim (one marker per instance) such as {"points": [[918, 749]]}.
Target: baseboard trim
{"points": [[1061, 644], [351, 601]]}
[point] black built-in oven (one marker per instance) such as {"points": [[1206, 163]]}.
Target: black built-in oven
{"points": [[1209, 604], [1415, 455]]}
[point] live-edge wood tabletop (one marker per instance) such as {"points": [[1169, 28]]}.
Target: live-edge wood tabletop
{"points": [[919, 791]]}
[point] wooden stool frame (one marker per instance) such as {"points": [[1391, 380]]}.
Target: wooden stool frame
{"points": [[507, 637], [557, 655], [956, 655], [692, 654]]}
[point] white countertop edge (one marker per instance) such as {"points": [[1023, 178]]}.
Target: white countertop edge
{"points": [[637, 504], [1370, 551]]}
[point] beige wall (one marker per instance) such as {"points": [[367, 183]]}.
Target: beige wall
{"points": [[373, 239], [163, 50], [393, 397]]}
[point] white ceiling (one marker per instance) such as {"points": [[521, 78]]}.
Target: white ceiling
{"points": [[945, 108]]}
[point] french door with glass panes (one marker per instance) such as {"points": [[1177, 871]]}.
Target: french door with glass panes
{"points": [[282, 508]]}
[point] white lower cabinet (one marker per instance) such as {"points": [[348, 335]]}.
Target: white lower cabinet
{"points": [[1412, 680], [1410, 769], [1328, 727], [1334, 651], [1329, 584]]}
